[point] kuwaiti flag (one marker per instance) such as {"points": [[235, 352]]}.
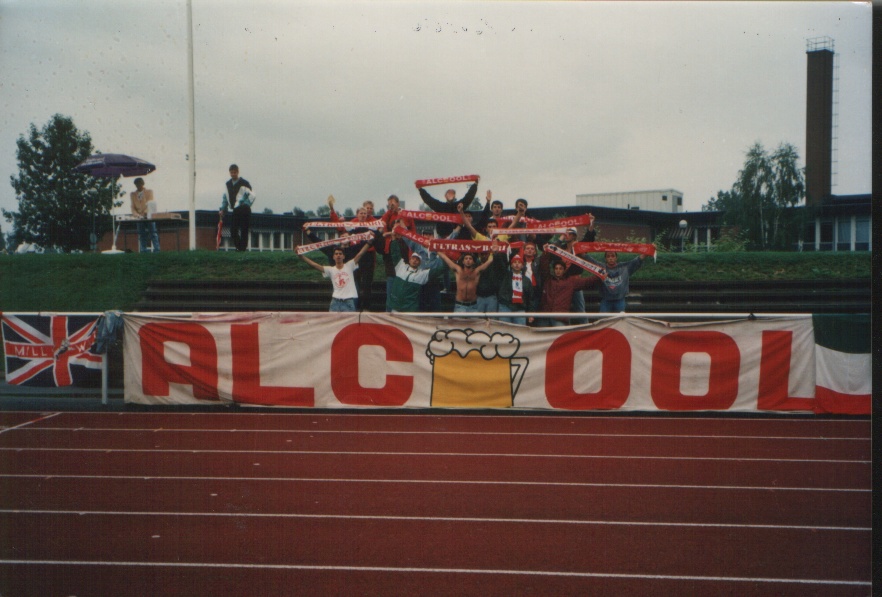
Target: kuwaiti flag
{"points": [[843, 364], [50, 350]]}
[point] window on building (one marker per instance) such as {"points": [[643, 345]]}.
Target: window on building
{"points": [[826, 235], [862, 230], [843, 234], [664, 197], [679, 202], [808, 237]]}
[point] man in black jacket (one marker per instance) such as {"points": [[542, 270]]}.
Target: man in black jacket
{"points": [[449, 206], [241, 219]]}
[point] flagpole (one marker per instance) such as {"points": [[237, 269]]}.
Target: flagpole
{"points": [[191, 100]]}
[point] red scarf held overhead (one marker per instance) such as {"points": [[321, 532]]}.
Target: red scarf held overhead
{"points": [[639, 248], [585, 265], [431, 216], [334, 241], [428, 182], [374, 224], [442, 245]]}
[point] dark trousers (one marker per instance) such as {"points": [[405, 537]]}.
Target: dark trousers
{"points": [[364, 280], [240, 226]]}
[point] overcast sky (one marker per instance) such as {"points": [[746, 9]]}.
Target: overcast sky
{"points": [[544, 100]]}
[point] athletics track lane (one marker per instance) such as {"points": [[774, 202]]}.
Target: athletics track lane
{"points": [[242, 503]]}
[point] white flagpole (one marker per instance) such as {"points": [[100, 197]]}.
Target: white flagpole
{"points": [[191, 157]]}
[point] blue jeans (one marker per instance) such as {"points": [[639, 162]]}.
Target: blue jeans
{"points": [[460, 308], [577, 305], [520, 319], [487, 304], [342, 305], [612, 305], [547, 322], [147, 235]]}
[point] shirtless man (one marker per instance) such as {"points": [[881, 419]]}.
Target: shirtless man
{"points": [[467, 276]]}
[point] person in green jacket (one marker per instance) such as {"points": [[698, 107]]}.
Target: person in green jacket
{"points": [[410, 277]]}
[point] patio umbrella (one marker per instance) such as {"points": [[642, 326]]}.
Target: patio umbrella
{"points": [[112, 165]]}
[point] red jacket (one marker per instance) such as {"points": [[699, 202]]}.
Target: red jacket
{"points": [[557, 293], [388, 221]]}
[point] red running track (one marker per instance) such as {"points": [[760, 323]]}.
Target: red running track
{"points": [[415, 503]]}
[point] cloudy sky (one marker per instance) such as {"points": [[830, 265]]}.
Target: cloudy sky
{"points": [[544, 100]]}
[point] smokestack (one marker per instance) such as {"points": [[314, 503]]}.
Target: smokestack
{"points": [[819, 121]]}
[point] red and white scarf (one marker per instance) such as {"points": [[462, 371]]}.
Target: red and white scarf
{"points": [[444, 245], [517, 289], [431, 216], [335, 241], [548, 226], [585, 265], [639, 248], [428, 182], [373, 224]]}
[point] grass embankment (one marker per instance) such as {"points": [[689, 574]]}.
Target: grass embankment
{"points": [[89, 282]]}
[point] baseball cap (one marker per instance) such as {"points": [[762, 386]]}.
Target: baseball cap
{"points": [[571, 231]]}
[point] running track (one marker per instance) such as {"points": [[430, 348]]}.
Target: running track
{"points": [[242, 503]]}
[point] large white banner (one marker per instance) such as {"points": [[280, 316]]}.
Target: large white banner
{"points": [[335, 360]]}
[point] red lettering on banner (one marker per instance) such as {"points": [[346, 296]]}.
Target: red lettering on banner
{"points": [[246, 373], [344, 365], [615, 372], [157, 373], [667, 360], [774, 376]]}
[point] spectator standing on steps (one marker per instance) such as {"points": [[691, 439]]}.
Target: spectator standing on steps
{"points": [[557, 293], [448, 206], [239, 201], [614, 288], [342, 277], [142, 207]]}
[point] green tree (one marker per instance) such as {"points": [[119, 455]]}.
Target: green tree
{"points": [[58, 207], [761, 201]]}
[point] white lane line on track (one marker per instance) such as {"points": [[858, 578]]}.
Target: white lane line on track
{"points": [[748, 416], [428, 454], [26, 423], [415, 570], [439, 519], [423, 433], [442, 482]]}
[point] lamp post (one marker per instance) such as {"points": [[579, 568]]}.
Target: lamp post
{"points": [[683, 225]]}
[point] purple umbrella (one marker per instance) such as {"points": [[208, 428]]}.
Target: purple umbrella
{"points": [[114, 164]]}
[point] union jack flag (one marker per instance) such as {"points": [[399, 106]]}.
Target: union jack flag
{"points": [[50, 350]]}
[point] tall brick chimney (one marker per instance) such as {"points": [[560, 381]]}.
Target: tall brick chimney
{"points": [[819, 121]]}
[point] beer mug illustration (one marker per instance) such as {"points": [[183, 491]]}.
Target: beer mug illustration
{"points": [[475, 369]]}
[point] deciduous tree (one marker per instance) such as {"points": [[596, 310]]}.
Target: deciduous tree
{"points": [[58, 207], [761, 201]]}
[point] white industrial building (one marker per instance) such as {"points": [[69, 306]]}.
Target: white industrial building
{"points": [[665, 200]]}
